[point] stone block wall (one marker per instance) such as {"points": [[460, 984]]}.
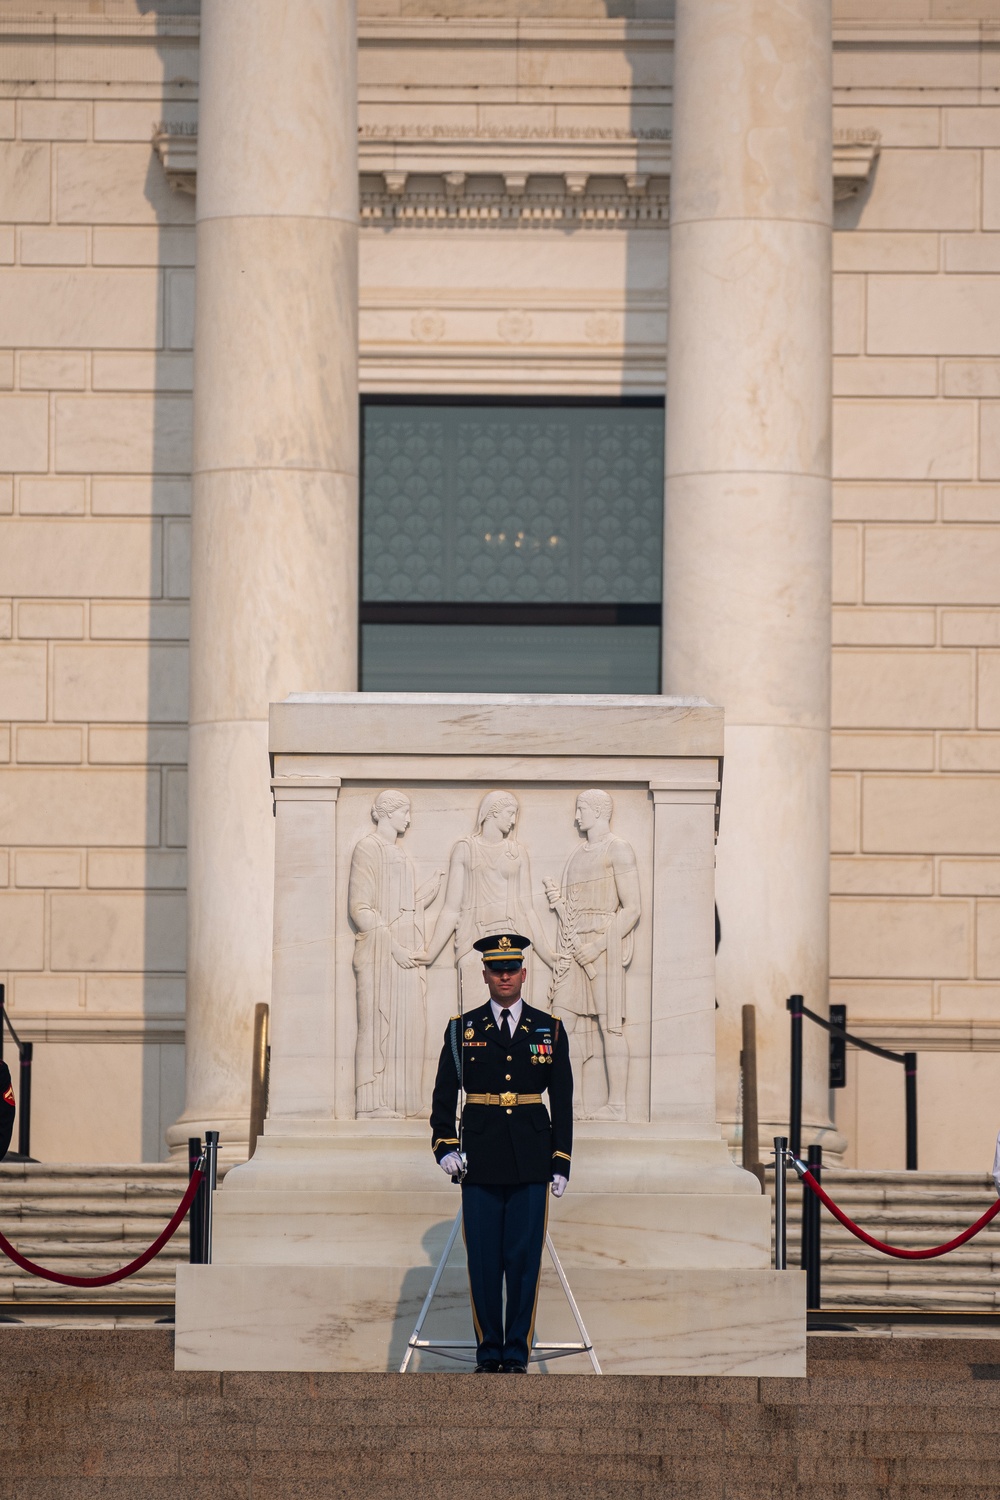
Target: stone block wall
{"points": [[916, 627], [96, 312]]}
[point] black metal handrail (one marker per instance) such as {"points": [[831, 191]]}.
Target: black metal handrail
{"points": [[798, 1009]]}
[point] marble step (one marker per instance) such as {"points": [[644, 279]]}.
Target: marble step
{"points": [[913, 1210], [91, 1219], [88, 1221]]}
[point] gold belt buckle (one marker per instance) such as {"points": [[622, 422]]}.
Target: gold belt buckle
{"points": [[508, 1099]]}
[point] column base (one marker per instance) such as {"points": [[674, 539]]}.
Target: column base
{"points": [[234, 1137]]}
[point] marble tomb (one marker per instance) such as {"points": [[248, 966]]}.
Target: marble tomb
{"points": [[407, 826]]}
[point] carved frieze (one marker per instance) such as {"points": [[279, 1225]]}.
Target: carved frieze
{"points": [[595, 902], [435, 177]]}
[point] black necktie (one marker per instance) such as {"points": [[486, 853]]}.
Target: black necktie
{"points": [[505, 1027]]}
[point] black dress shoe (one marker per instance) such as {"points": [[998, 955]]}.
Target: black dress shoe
{"points": [[514, 1367], [488, 1367]]}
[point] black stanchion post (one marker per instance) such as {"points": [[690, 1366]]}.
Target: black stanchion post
{"points": [[780, 1147], [795, 1003], [26, 1051], [211, 1178], [910, 1070], [810, 1208], [196, 1232]]}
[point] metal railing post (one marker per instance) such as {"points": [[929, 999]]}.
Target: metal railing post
{"points": [[795, 1003], [811, 1231], [780, 1147], [26, 1052], [211, 1179], [196, 1230], [910, 1072]]}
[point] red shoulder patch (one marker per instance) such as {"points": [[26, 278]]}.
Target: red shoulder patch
{"points": [[8, 1097]]}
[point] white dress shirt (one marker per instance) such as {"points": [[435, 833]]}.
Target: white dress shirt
{"points": [[514, 1011]]}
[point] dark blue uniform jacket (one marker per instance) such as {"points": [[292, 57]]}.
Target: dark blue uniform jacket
{"points": [[507, 1143]]}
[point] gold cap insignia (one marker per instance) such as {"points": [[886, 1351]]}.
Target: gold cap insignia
{"points": [[504, 942]]}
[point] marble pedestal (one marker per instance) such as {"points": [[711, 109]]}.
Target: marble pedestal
{"points": [[325, 1242], [667, 1251]]}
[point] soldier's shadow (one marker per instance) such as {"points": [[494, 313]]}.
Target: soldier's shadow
{"points": [[449, 1316]]}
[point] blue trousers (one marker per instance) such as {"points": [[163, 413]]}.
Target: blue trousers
{"points": [[504, 1235]]}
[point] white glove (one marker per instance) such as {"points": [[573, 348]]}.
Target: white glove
{"points": [[559, 1185], [452, 1164]]}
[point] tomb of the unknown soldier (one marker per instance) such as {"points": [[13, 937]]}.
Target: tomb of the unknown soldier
{"points": [[324, 1242], [499, 749]]}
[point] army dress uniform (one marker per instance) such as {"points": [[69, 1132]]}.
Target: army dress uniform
{"points": [[514, 1148]]}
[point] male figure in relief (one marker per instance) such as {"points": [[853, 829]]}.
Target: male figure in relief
{"points": [[598, 906]]}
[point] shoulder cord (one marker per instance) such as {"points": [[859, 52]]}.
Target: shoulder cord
{"points": [[458, 1053]]}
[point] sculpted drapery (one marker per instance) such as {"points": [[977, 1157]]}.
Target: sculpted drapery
{"points": [[387, 911]]}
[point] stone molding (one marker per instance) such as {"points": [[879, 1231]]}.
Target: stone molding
{"points": [[929, 1036], [855, 153], [102, 1026], [503, 178]]}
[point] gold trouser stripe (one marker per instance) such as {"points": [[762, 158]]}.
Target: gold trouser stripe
{"points": [[475, 1320], [538, 1283], [499, 1099]]}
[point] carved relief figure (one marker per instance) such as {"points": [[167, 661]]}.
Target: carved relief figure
{"points": [[387, 910], [598, 906], [488, 891]]}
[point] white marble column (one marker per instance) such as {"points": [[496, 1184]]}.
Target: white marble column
{"points": [[274, 571], [747, 533]]}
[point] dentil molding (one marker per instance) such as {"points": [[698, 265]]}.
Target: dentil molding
{"points": [[431, 177]]}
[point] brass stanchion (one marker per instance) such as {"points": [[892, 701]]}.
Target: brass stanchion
{"points": [[748, 1063], [259, 1076]]}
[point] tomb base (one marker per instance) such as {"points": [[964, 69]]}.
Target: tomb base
{"points": [[650, 1321], [326, 1242]]}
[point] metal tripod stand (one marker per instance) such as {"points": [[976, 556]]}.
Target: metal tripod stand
{"points": [[449, 1348]]}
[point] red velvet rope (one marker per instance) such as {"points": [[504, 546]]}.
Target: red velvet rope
{"points": [[133, 1265], [932, 1254]]}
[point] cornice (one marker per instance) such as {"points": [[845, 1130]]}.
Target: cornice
{"points": [[431, 177], [931, 1036]]}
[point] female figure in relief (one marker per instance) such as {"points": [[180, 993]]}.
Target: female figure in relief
{"points": [[387, 909], [488, 891]]}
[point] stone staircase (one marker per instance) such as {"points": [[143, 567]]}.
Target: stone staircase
{"points": [[94, 1414], [87, 1221], [913, 1210]]}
